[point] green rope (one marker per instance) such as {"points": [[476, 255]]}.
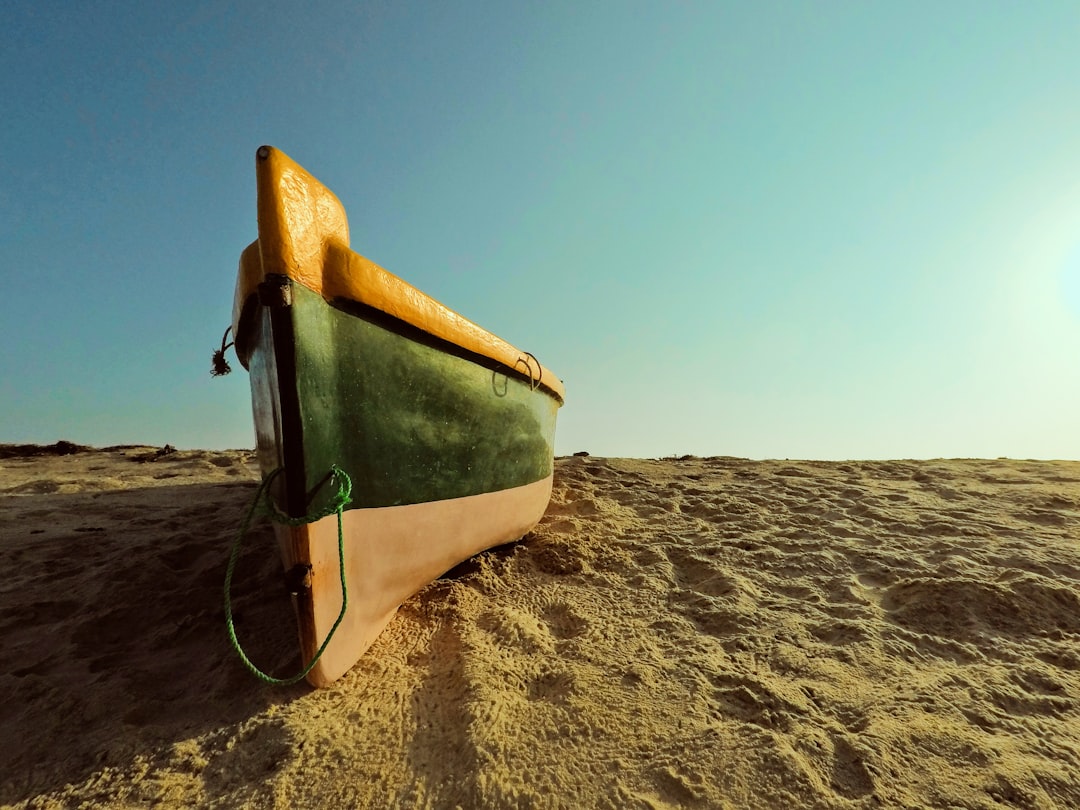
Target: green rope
{"points": [[340, 500]]}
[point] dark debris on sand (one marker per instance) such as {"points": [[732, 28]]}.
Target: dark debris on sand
{"points": [[61, 448]]}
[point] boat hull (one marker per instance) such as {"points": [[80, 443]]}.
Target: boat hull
{"points": [[445, 431], [410, 418]]}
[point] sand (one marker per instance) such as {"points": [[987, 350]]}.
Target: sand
{"points": [[693, 632]]}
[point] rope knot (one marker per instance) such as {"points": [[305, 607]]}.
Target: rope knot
{"points": [[343, 496]]}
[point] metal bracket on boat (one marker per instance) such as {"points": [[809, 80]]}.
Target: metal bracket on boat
{"points": [[275, 292], [521, 362], [298, 579], [534, 382]]}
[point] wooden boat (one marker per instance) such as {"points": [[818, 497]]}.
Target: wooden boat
{"points": [[445, 431]]}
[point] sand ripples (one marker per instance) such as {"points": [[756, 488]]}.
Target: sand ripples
{"points": [[679, 633]]}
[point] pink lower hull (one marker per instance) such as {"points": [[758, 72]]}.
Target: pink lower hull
{"points": [[390, 554]]}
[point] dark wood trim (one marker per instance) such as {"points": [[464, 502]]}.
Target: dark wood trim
{"points": [[276, 295], [417, 335]]}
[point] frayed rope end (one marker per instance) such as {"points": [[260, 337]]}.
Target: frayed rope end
{"points": [[221, 365]]}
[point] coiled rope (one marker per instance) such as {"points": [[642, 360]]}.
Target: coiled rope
{"points": [[341, 499]]}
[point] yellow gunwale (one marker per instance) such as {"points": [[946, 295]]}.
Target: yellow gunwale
{"points": [[304, 235]]}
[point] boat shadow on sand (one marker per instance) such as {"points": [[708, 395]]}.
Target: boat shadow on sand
{"points": [[113, 624]]}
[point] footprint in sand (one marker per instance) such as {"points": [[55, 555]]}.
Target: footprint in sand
{"points": [[552, 685], [753, 701], [960, 608], [564, 621], [518, 630], [850, 777], [555, 558]]}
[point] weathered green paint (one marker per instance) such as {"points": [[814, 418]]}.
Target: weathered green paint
{"points": [[410, 422]]}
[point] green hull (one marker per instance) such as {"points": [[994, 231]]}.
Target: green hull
{"points": [[412, 419]]}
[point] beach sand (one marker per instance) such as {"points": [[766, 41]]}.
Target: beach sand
{"points": [[693, 632]]}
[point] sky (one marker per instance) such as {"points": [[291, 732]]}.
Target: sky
{"points": [[772, 229]]}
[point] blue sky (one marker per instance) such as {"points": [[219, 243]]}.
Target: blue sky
{"points": [[815, 230]]}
